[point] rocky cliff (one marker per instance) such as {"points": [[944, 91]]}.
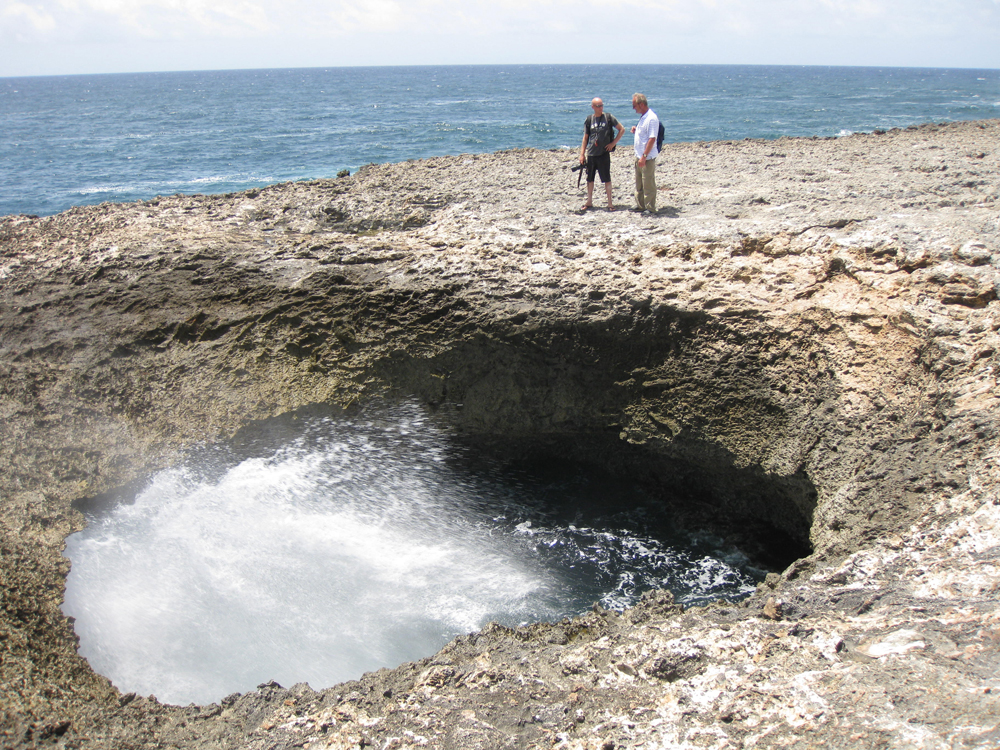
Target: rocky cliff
{"points": [[804, 341]]}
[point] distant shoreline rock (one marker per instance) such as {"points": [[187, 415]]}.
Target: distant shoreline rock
{"points": [[804, 340]]}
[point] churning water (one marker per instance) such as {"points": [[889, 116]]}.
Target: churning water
{"points": [[361, 543]]}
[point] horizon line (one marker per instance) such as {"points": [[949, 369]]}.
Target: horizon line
{"points": [[506, 65]]}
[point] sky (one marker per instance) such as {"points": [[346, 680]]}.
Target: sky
{"points": [[59, 37]]}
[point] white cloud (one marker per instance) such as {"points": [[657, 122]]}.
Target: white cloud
{"points": [[79, 19], [276, 33], [158, 18], [369, 15], [21, 16], [250, 17]]}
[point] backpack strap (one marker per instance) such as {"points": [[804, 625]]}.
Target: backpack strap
{"points": [[589, 127], [609, 126]]}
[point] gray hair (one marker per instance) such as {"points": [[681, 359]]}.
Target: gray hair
{"points": [[641, 98]]}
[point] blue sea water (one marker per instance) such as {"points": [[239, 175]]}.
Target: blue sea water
{"points": [[76, 140]]}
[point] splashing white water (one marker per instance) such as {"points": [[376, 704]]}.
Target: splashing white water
{"points": [[355, 547]]}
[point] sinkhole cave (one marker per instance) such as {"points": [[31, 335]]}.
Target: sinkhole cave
{"points": [[714, 447]]}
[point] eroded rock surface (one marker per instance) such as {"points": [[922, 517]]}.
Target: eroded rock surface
{"points": [[804, 339]]}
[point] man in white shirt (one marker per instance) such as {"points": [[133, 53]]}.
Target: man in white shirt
{"points": [[645, 154]]}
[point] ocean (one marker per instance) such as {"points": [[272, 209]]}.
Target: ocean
{"points": [[77, 140]]}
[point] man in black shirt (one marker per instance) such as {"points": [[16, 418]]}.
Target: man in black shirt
{"points": [[599, 140]]}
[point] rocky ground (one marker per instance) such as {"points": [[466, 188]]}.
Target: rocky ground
{"points": [[800, 349]]}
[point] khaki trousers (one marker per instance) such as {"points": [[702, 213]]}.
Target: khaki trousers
{"points": [[645, 185]]}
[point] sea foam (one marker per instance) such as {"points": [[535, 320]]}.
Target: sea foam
{"points": [[358, 545]]}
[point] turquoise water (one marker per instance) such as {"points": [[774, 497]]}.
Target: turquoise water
{"points": [[76, 140]]}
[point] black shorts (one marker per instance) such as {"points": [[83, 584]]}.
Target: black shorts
{"points": [[600, 164]]}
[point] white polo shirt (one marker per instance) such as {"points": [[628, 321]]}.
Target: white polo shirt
{"points": [[648, 127]]}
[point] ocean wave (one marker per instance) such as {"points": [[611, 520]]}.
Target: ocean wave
{"points": [[213, 578], [107, 189], [169, 187]]}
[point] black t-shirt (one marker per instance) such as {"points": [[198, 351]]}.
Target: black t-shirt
{"points": [[601, 131]]}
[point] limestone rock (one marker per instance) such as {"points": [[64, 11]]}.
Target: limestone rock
{"points": [[805, 340]]}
